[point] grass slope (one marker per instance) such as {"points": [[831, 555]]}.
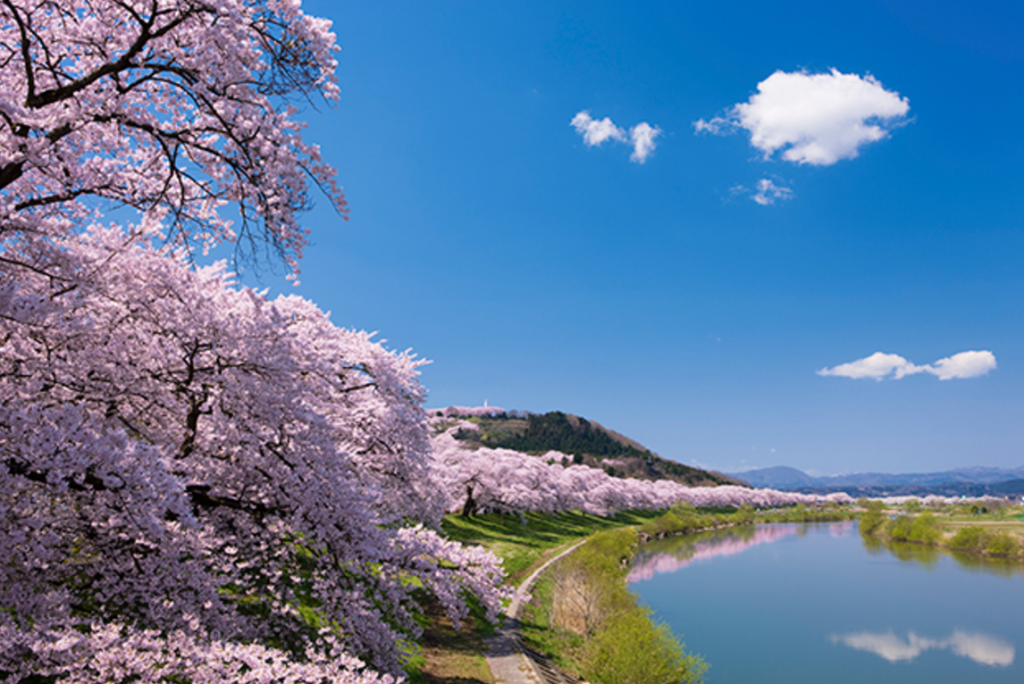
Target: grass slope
{"points": [[523, 543], [450, 656]]}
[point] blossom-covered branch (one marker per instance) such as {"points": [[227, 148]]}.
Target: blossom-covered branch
{"points": [[196, 456], [175, 108]]}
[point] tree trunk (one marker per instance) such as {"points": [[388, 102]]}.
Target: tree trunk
{"points": [[469, 508]]}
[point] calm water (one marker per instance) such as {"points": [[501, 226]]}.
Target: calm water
{"points": [[802, 604]]}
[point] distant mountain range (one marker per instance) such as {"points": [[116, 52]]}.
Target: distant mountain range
{"points": [[975, 481]]}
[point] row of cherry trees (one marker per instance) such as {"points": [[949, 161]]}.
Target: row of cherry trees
{"points": [[195, 481], [511, 481]]}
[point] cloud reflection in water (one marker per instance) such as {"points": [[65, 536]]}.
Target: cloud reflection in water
{"points": [[981, 648]]}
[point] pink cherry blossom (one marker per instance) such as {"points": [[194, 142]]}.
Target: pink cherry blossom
{"points": [[188, 468], [646, 566], [174, 108], [477, 479], [172, 446]]}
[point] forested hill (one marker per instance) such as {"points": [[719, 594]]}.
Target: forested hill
{"points": [[589, 443]]}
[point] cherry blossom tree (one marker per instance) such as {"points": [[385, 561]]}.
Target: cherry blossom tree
{"points": [[511, 481], [195, 480], [194, 457], [174, 108]]}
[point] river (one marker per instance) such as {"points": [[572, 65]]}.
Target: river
{"points": [[814, 603]]}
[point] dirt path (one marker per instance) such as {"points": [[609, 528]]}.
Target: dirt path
{"points": [[506, 655]]}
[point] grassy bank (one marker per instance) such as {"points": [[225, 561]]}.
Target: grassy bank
{"points": [[997, 533], [523, 543], [450, 656], [589, 623], [586, 620]]}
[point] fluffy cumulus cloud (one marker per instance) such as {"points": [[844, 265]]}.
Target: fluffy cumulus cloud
{"points": [[814, 119], [596, 131], [969, 364], [879, 366], [981, 648]]}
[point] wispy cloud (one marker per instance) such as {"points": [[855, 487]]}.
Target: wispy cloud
{"points": [[765, 192], [815, 119], [879, 366], [981, 648], [596, 131], [768, 192]]}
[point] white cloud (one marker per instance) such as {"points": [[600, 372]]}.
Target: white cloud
{"points": [[816, 119], [968, 364], [595, 132], [981, 648], [878, 366], [768, 192], [641, 137]]}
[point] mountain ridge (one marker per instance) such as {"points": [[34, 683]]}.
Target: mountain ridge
{"points": [[966, 481]]}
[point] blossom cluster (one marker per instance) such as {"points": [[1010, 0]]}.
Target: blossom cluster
{"points": [[117, 653], [208, 461], [189, 470], [510, 481], [174, 108]]}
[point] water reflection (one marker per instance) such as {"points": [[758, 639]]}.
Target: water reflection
{"points": [[981, 648], [675, 553], [929, 556], [767, 615]]}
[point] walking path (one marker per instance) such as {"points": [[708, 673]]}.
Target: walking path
{"points": [[510, 661]]}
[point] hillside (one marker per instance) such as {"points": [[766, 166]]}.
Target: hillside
{"points": [[589, 442]]}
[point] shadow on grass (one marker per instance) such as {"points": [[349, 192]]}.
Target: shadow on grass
{"points": [[522, 540], [451, 656]]}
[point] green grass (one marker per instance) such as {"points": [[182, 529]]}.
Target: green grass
{"points": [[996, 533], [1008, 524], [450, 656], [563, 647], [524, 542], [521, 543]]}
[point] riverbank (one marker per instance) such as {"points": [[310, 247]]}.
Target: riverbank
{"points": [[583, 617], [524, 543], [990, 533], [449, 656]]}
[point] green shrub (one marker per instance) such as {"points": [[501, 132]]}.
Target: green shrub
{"points": [[873, 518], [971, 538], [745, 515], [616, 545], [925, 529], [899, 528], [631, 649], [1003, 544]]}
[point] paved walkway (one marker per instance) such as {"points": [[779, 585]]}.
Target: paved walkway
{"points": [[505, 650]]}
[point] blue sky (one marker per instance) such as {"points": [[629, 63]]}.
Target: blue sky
{"points": [[540, 273]]}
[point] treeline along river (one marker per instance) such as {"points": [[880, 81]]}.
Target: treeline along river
{"points": [[813, 603]]}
